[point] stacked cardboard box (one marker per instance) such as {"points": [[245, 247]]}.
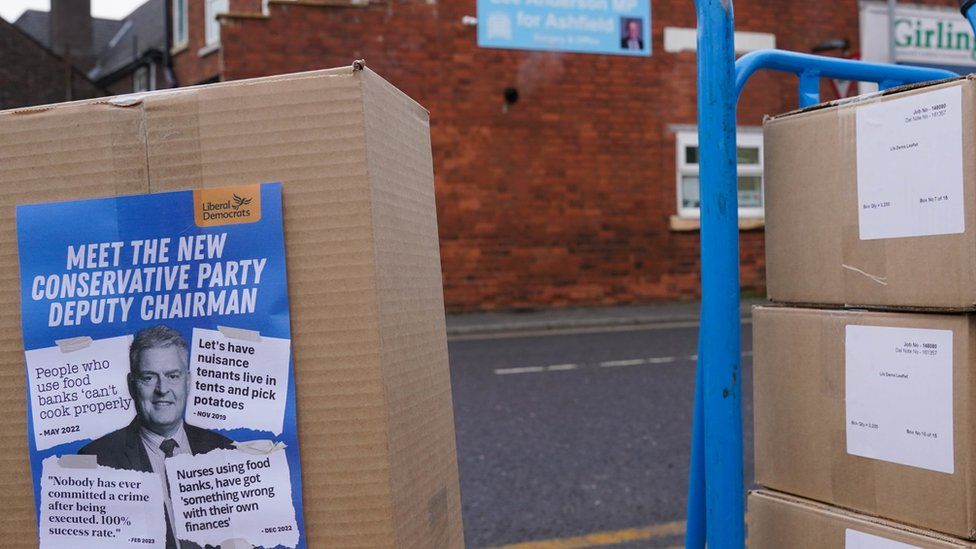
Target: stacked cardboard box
{"points": [[783, 521], [352, 154], [865, 369]]}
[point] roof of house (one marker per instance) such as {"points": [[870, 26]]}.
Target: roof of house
{"points": [[117, 44], [142, 31], [38, 25], [34, 88]]}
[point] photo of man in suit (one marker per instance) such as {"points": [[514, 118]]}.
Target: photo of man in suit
{"points": [[632, 38], [159, 382]]}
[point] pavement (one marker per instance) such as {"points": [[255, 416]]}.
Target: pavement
{"points": [[574, 426], [467, 324]]}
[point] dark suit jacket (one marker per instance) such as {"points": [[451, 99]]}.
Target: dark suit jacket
{"points": [[123, 449], [623, 44]]}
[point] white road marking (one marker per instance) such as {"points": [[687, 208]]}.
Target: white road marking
{"points": [[527, 370], [615, 363], [604, 364]]}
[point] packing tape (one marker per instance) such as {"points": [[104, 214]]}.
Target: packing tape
{"points": [[73, 344], [173, 147], [236, 543], [73, 461], [259, 447], [240, 333]]}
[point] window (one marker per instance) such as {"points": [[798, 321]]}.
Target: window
{"points": [[211, 9], [749, 155], [180, 22], [140, 79]]}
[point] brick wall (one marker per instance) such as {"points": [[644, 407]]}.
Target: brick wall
{"points": [[565, 199], [32, 75], [189, 66]]}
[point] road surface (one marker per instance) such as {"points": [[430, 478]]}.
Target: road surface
{"points": [[579, 438]]}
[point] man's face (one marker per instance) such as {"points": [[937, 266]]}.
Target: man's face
{"points": [[633, 31], [159, 386]]}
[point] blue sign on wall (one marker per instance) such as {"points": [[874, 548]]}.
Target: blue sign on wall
{"points": [[614, 27]]}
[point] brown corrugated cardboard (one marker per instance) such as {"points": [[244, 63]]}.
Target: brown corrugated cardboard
{"points": [[353, 155], [802, 440], [815, 253], [778, 521]]}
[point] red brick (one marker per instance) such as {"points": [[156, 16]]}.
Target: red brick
{"points": [[566, 198]]}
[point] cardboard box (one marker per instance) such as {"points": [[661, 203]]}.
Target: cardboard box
{"points": [[870, 411], [375, 419], [867, 199], [779, 520]]}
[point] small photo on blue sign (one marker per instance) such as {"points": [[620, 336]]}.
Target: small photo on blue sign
{"points": [[632, 33], [612, 27]]}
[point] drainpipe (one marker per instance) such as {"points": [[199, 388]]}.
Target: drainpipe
{"points": [[168, 48]]}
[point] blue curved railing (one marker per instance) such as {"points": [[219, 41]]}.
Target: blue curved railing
{"points": [[811, 68], [716, 498]]}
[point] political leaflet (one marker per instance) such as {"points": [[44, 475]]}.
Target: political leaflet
{"points": [[160, 385]]}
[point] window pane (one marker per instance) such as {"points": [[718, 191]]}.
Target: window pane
{"points": [[750, 191], [691, 154], [140, 80], [689, 191], [747, 155], [179, 22], [211, 10]]}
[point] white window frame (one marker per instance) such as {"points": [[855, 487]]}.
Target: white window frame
{"points": [[745, 137], [140, 79], [211, 24], [181, 19]]}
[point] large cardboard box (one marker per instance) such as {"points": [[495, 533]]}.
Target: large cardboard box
{"points": [[777, 521], [872, 411], [375, 422], [872, 201]]}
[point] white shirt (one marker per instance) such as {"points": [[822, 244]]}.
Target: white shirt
{"points": [[157, 458]]}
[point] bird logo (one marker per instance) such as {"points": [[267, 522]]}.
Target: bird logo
{"points": [[238, 201]]}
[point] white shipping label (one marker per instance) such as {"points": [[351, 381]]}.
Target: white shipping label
{"points": [[899, 395], [859, 540], [909, 166]]}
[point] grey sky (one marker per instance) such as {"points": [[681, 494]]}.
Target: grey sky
{"points": [[109, 9]]}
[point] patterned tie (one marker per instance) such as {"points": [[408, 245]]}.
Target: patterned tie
{"points": [[167, 446]]}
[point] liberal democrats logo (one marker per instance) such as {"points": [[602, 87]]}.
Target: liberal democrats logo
{"points": [[227, 205]]}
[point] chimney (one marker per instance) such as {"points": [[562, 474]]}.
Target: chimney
{"points": [[71, 32]]}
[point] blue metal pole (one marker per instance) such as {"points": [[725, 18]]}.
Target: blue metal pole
{"points": [[695, 523], [719, 355], [809, 88]]}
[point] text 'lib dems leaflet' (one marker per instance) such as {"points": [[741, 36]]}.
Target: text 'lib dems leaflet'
{"points": [[160, 385], [899, 395], [909, 166], [859, 540]]}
